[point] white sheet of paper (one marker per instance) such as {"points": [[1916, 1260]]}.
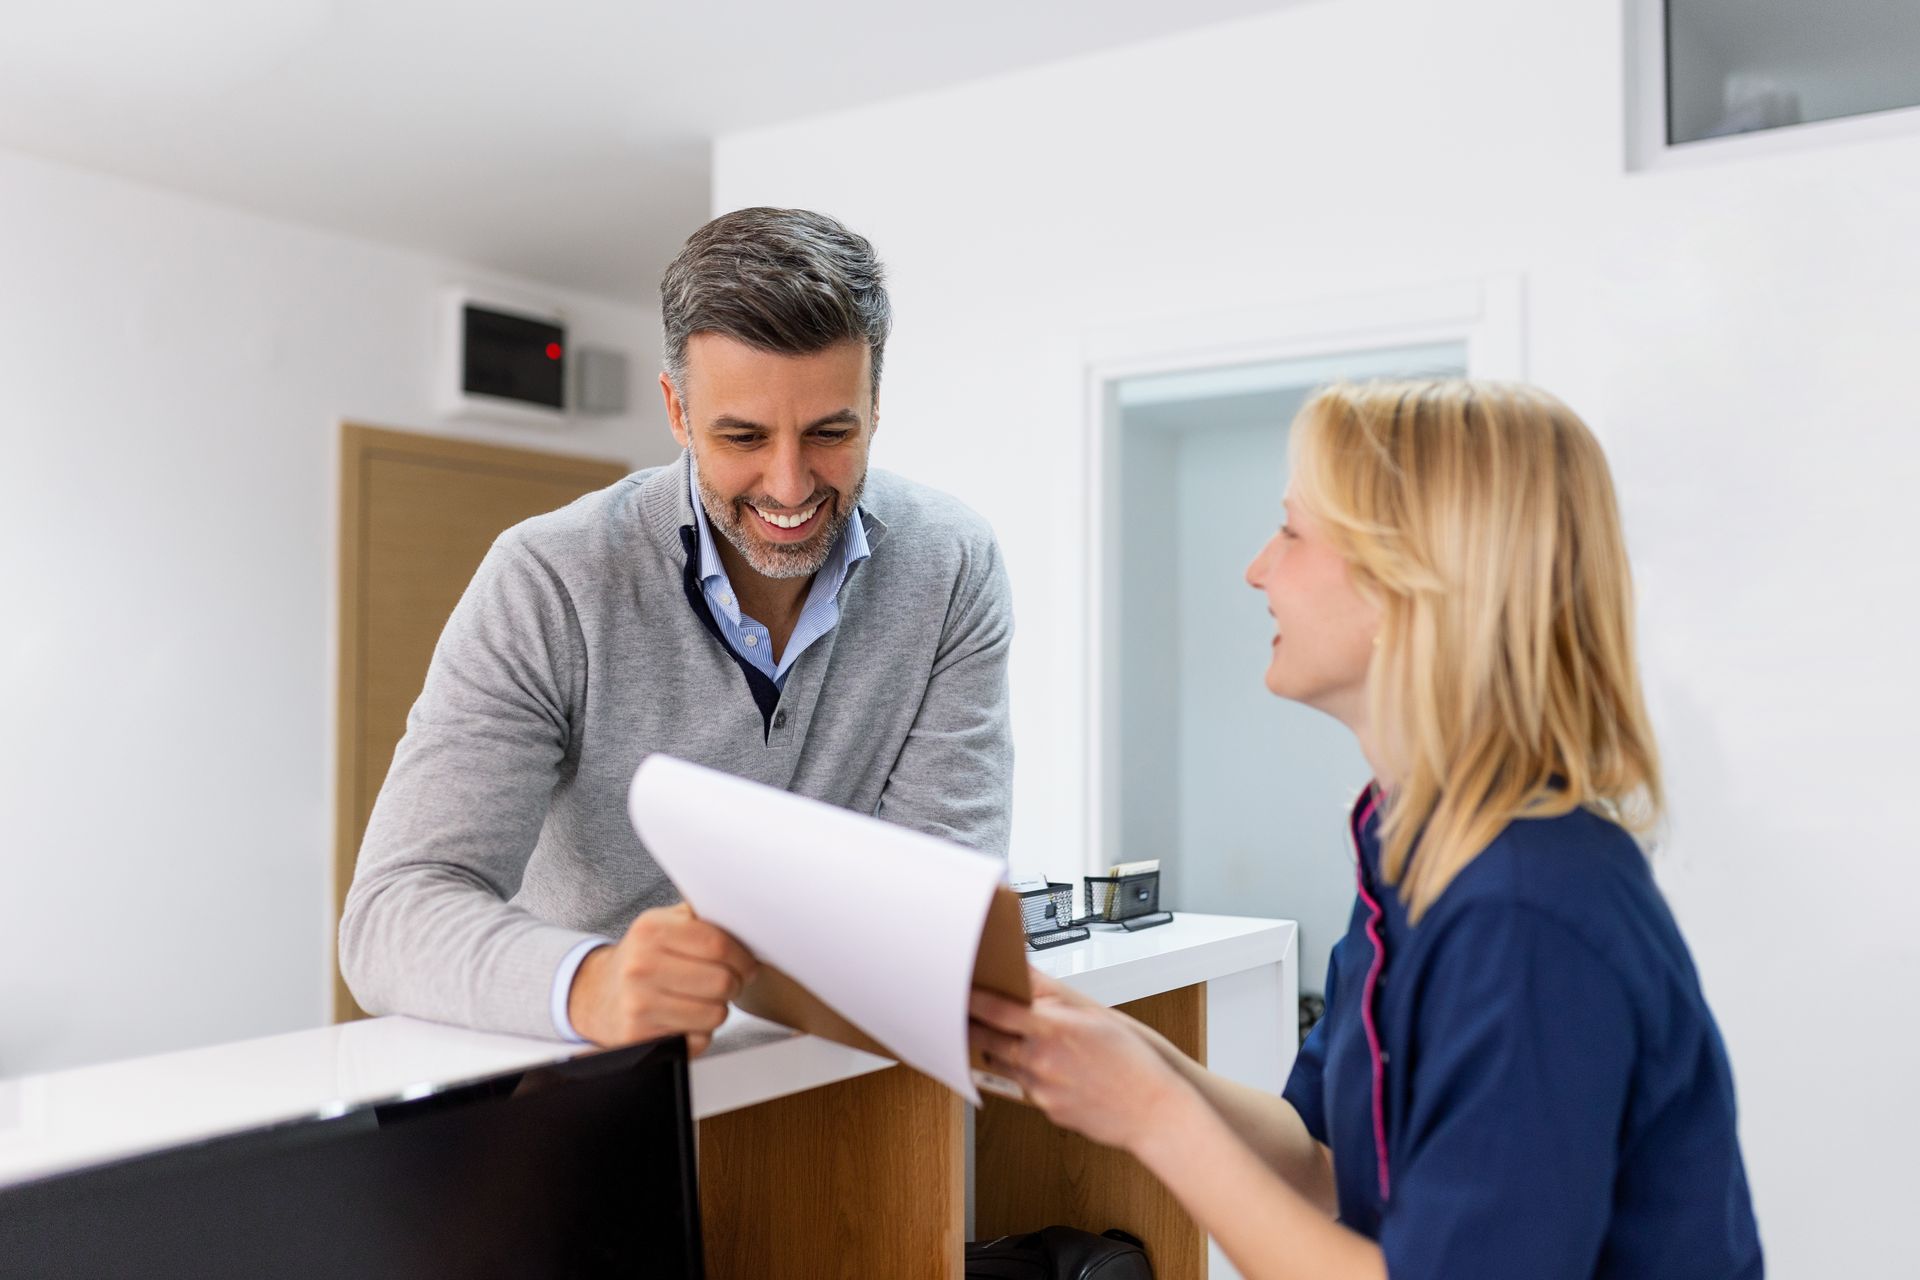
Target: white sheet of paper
{"points": [[880, 922]]}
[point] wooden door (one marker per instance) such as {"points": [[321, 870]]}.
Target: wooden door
{"points": [[417, 514]]}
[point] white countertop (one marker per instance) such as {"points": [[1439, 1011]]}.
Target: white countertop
{"points": [[1114, 966], [89, 1115]]}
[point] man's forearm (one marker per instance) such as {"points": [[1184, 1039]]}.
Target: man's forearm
{"points": [[1267, 1124], [482, 963]]}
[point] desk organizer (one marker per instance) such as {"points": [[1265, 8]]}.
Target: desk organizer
{"points": [[1132, 902], [1047, 916]]}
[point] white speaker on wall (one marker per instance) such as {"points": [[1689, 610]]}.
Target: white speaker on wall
{"points": [[599, 381]]}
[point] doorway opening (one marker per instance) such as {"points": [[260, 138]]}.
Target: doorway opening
{"points": [[1238, 793]]}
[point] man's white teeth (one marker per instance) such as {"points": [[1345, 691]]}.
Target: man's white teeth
{"points": [[791, 520]]}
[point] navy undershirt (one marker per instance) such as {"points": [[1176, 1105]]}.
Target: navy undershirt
{"points": [[766, 694]]}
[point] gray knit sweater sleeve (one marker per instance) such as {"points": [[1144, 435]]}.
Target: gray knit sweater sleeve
{"points": [[427, 927]]}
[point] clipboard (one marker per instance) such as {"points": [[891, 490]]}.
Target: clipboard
{"points": [[999, 966], [835, 960]]}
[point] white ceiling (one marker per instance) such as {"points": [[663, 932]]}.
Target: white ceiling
{"points": [[562, 140]]}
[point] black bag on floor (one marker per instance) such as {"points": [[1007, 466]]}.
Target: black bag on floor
{"points": [[1059, 1253]]}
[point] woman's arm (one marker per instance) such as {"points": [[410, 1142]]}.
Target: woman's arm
{"points": [[1267, 1124], [1087, 1068], [1269, 1231]]}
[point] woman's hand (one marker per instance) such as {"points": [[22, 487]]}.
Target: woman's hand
{"points": [[1087, 1067], [1054, 989]]}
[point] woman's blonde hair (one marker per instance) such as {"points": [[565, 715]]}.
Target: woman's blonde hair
{"points": [[1481, 518]]}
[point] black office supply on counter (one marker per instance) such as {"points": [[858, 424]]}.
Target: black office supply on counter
{"points": [[1130, 901], [1046, 914], [583, 1169]]}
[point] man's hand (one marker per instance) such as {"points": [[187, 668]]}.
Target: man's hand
{"points": [[672, 974]]}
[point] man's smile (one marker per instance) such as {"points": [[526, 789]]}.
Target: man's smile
{"points": [[787, 526]]}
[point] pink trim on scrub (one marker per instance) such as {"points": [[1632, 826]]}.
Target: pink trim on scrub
{"points": [[1372, 799]]}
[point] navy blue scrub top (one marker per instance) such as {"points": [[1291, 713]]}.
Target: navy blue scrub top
{"points": [[1529, 1084]]}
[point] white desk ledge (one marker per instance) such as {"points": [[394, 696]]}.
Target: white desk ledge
{"points": [[89, 1115]]}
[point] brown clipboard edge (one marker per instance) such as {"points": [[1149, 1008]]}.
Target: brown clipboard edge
{"points": [[999, 965]]}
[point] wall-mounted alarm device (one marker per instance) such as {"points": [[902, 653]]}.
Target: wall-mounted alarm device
{"points": [[502, 360]]}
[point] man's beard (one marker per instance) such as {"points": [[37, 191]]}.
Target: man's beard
{"points": [[779, 559]]}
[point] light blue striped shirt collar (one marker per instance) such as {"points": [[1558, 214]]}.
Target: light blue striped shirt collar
{"points": [[746, 636]]}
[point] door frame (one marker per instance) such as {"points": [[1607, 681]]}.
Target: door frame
{"points": [[1486, 314]]}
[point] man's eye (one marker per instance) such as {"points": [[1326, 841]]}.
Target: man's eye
{"points": [[741, 440], [832, 436], [1286, 531]]}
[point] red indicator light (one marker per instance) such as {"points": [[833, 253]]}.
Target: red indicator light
{"points": [[553, 351]]}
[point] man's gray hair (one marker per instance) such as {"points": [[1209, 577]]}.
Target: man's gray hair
{"points": [[783, 280]]}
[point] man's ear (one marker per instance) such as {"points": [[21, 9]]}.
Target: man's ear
{"points": [[676, 412]]}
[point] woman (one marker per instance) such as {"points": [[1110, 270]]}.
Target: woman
{"points": [[1517, 1075]]}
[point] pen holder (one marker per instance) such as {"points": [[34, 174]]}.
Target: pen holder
{"points": [[1132, 902], [1047, 916]]}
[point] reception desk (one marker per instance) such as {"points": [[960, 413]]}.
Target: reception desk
{"points": [[815, 1159]]}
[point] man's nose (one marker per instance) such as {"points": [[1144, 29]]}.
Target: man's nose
{"points": [[789, 479]]}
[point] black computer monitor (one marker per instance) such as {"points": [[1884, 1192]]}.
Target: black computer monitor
{"points": [[582, 1170]]}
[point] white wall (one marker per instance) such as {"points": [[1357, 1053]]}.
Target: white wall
{"points": [[172, 378], [1741, 335]]}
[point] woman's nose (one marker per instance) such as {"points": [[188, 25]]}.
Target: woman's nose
{"points": [[1256, 575]]}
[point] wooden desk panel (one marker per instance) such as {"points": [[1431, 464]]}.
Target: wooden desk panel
{"points": [[860, 1178], [1028, 1174]]}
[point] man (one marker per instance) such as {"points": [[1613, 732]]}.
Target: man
{"points": [[765, 606]]}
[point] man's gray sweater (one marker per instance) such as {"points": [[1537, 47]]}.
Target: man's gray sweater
{"points": [[500, 839]]}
